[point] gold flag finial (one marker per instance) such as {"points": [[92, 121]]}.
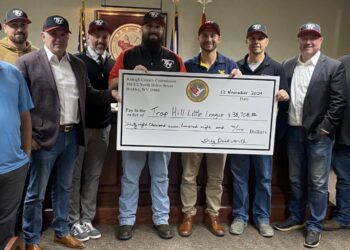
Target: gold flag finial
{"points": [[204, 3]]}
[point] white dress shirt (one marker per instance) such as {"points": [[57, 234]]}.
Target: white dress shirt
{"points": [[92, 54], [300, 82], [67, 88]]}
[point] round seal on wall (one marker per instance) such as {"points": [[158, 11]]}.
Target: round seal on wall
{"points": [[197, 90], [125, 37]]}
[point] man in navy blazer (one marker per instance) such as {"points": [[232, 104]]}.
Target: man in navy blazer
{"points": [[317, 103], [59, 86]]}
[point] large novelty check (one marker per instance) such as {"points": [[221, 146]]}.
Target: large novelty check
{"points": [[187, 112]]}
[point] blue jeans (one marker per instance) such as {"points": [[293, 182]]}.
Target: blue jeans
{"points": [[308, 160], [133, 162], [239, 166], [59, 163], [341, 167]]}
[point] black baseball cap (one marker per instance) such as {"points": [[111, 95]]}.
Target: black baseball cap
{"points": [[209, 25], [257, 28], [99, 24], [56, 22], [308, 28], [16, 14], [153, 16]]}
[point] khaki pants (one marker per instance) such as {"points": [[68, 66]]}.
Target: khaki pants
{"points": [[215, 171]]}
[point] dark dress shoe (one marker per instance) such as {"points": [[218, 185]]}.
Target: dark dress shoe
{"points": [[164, 231], [214, 225], [69, 241], [185, 228], [125, 232], [33, 247]]}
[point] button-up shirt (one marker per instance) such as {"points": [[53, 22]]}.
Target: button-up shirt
{"points": [[300, 82], [92, 54], [66, 87]]}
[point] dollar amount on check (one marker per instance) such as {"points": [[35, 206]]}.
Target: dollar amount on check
{"points": [[187, 112]]}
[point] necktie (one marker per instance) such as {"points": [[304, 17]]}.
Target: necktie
{"points": [[101, 63]]}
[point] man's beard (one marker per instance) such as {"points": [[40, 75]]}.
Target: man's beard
{"points": [[152, 44], [100, 49], [213, 48], [18, 39]]}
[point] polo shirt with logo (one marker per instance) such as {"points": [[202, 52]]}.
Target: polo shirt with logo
{"points": [[222, 65]]}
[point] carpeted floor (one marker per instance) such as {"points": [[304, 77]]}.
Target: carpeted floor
{"points": [[145, 237]]}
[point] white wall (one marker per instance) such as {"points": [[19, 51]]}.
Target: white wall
{"points": [[282, 18]]}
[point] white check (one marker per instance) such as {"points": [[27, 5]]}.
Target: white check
{"points": [[188, 112]]}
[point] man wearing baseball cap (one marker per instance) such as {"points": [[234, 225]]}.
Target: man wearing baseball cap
{"points": [[318, 100], [59, 85], [208, 61], [89, 163], [15, 43], [256, 62], [149, 55]]}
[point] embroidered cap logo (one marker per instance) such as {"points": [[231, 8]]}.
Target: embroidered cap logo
{"points": [[154, 14], [310, 26], [99, 22], [256, 26], [17, 12], [58, 20]]}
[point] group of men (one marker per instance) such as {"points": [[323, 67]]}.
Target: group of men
{"points": [[68, 111], [62, 118]]}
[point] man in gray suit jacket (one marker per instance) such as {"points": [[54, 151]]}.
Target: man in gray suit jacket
{"points": [[340, 164], [318, 100], [59, 86]]}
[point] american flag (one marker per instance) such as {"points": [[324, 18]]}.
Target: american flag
{"points": [[174, 42], [82, 35]]}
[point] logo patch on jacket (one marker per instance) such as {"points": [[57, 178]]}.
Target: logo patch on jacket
{"points": [[221, 71], [168, 63]]}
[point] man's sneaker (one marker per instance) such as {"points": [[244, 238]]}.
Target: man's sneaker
{"points": [[332, 225], [265, 230], [91, 231], [288, 224], [237, 227], [78, 232], [312, 238]]}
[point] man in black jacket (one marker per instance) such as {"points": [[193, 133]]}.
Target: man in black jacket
{"points": [[89, 163], [317, 104], [256, 62], [149, 55], [340, 164]]}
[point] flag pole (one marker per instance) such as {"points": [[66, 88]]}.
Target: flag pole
{"points": [[174, 42]]}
